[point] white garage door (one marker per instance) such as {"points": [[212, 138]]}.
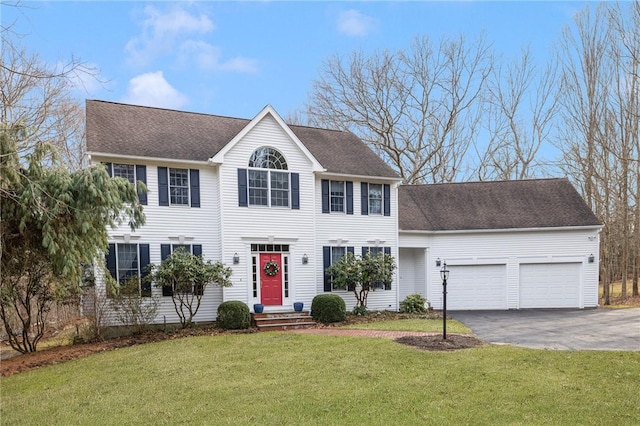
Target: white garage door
{"points": [[475, 287], [550, 285]]}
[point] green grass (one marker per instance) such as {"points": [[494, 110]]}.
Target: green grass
{"points": [[414, 324], [285, 379]]}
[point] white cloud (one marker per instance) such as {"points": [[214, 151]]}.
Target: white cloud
{"points": [[162, 30], [208, 57], [353, 23], [178, 33], [152, 89], [245, 65]]}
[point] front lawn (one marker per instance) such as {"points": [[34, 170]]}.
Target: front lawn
{"points": [[414, 324], [285, 378]]}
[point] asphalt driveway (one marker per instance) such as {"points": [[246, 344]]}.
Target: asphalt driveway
{"points": [[562, 329]]}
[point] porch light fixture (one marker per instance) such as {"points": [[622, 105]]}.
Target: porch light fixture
{"points": [[305, 259], [591, 258], [438, 262], [236, 258], [444, 274]]}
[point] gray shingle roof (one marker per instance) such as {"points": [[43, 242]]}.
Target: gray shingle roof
{"points": [[121, 129], [537, 203]]}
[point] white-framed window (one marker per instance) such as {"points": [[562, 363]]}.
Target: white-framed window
{"points": [[126, 171], [279, 189], [336, 196], [179, 186], [375, 198], [268, 181], [258, 187], [126, 263], [375, 251], [134, 173], [168, 249], [336, 254]]}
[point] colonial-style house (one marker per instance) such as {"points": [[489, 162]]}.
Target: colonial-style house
{"points": [[248, 192]]}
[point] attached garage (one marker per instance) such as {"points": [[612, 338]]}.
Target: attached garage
{"points": [[508, 245], [550, 285], [477, 287]]}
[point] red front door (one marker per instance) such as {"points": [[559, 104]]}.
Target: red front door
{"points": [[271, 283]]}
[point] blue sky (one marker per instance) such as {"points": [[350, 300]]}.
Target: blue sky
{"points": [[233, 58]]}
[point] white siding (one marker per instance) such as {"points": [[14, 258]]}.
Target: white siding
{"points": [[411, 273], [242, 226], [358, 231], [168, 224], [511, 248]]}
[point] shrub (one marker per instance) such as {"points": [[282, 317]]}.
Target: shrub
{"points": [[360, 310], [234, 315], [414, 304], [130, 307], [327, 308]]}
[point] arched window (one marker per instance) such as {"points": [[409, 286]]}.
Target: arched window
{"points": [[267, 158], [269, 182]]}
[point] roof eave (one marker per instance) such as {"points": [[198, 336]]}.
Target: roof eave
{"points": [[361, 177], [503, 230], [145, 159]]}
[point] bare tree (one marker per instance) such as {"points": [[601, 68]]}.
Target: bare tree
{"points": [[419, 109], [521, 104], [625, 24], [599, 133], [37, 97]]}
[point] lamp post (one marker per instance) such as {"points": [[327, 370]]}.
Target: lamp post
{"points": [[444, 274]]}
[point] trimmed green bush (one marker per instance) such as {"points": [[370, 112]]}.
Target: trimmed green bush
{"points": [[234, 315], [327, 308], [414, 304]]}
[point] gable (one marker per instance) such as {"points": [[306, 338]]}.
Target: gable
{"points": [[273, 130], [537, 203]]}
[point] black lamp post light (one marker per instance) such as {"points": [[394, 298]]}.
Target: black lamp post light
{"points": [[444, 274]]}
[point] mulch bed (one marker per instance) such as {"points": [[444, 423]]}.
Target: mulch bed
{"points": [[437, 343]]}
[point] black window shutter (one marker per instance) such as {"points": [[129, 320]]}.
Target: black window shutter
{"points": [[349, 194], [364, 198], [351, 249], [387, 199], [111, 261], [196, 250], [365, 250], [141, 175], [387, 252], [194, 180], [325, 196], [144, 263], [295, 191], [326, 262], [242, 188], [165, 251], [163, 186], [109, 168]]}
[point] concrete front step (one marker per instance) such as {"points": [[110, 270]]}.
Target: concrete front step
{"points": [[282, 320]]}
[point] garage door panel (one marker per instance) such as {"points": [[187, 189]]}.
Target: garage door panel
{"points": [[477, 287], [550, 285]]}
